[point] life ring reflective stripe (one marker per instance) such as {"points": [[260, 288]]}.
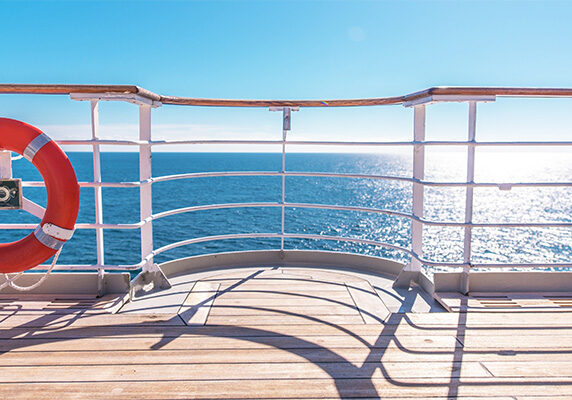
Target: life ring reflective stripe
{"points": [[62, 189]]}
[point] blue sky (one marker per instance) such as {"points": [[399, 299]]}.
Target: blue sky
{"points": [[290, 49]]}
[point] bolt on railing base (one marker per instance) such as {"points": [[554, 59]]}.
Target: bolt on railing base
{"points": [[147, 282]]}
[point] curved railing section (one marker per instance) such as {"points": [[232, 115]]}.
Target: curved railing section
{"points": [[418, 101]]}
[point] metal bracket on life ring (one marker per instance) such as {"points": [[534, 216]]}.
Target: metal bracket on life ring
{"points": [[57, 225]]}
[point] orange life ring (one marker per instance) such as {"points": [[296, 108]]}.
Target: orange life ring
{"points": [[62, 189]]}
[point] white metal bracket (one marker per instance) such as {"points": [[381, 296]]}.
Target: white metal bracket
{"points": [[286, 119], [127, 97], [149, 280], [282, 108], [406, 276], [440, 98]]}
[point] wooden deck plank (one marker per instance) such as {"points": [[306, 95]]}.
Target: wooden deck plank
{"points": [[294, 301], [323, 275], [370, 306], [42, 304], [314, 329], [285, 285], [521, 342], [210, 342], [196, 307], [358, 356], [281, 318], [506, 319], [275, 389], [432, 321], [546, 368], [283, 296], [213, 372], [263, 310], [53, 320]]}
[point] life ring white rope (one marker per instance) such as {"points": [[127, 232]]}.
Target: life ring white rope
{"points": [[11, 279]]}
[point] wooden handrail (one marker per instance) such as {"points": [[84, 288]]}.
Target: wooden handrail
{"points": [[68, 89], [189, 101]]}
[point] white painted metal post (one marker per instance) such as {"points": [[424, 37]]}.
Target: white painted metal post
{"points": [[145, 193], [97, 189], [418, 173], [286, 115], [5, 164], [469, 196]]}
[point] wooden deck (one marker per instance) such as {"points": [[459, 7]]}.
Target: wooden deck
{"points": [[275, 333]]}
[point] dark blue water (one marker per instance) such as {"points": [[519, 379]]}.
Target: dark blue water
{"points": [[121, 205]]}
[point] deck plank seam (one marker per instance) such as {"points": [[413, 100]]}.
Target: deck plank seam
{"points": [[355, 303]]}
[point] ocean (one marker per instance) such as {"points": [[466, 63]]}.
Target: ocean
{"points": [[511, 245]]}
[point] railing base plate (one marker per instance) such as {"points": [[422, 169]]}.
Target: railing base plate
{"points": [[148, 282]]}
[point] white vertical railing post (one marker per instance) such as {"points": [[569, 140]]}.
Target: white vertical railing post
{"points": [[412, 270], [286, 126], [97, 192], [5, 164], [418, 190], [145, 193], [469, 197]]}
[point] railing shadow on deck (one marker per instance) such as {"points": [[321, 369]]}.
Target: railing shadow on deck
{"points": [[344, 373]]}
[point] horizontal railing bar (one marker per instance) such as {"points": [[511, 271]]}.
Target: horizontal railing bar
{"points": [[217, 237], [114, 142], [515, 225], [521, 265], [88, 267], [211, 141], [101, 142], [358, 176], [500, 185], [344, 143], [394, 213], [350, 208], [429, 143], [135, 225], [428, 222], [212, 175], [534, 144], [89, 184], [211, 207], [93, 267], [345, 175]]}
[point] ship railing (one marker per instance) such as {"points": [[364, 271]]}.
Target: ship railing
{"points": [[419, 101]]}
